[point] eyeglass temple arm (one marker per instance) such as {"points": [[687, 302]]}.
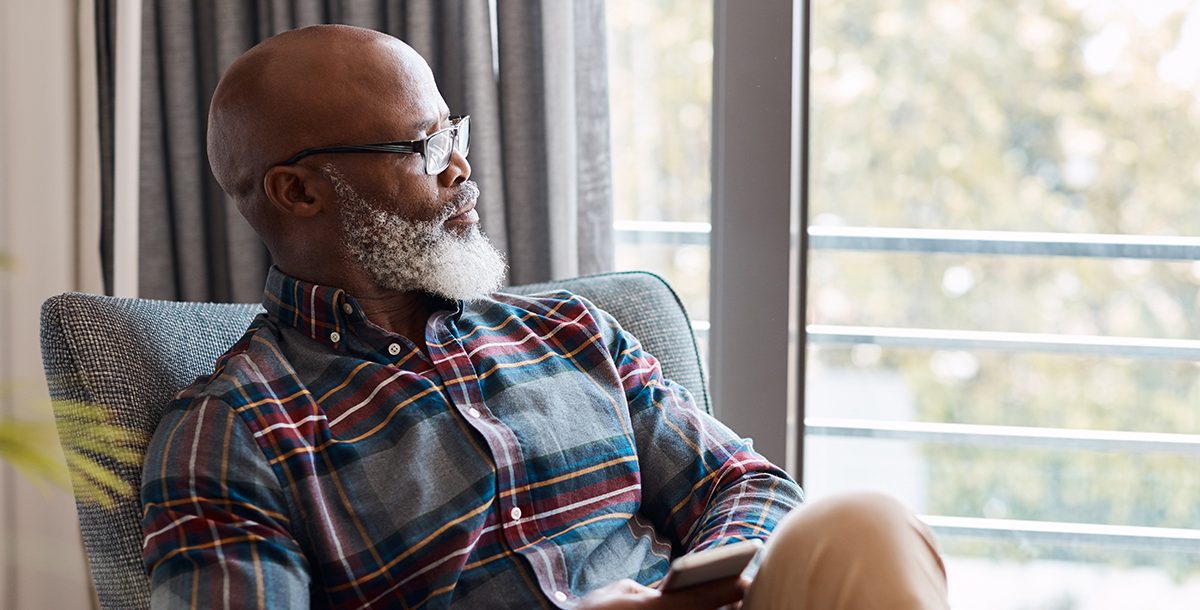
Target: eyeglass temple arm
{"points": [[357, 148]]}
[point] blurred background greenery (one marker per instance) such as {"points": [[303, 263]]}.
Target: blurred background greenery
{"points": [[1030, 116]]}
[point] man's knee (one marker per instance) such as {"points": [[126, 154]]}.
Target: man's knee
{"points": [[843, 517], [853, 550], [865, 529]]}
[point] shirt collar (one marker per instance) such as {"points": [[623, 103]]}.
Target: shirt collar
{"points": [[327, 314], [315, 310]]}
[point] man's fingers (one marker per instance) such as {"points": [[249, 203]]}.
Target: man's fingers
{"points": [[620, 595], [626, 585]]}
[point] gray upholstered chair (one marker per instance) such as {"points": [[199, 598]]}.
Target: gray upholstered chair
{"points": [[130, 356]]}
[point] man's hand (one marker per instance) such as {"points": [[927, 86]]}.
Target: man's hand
{"points": [[629, 595]]}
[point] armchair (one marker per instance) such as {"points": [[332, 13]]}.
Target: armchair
{"points": [[129, 357]]}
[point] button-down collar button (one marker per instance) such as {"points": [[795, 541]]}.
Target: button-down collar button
{"points": [[474, 412], [394, 349], [560, 596], [348, 308], [335, 336], [515, 513]]}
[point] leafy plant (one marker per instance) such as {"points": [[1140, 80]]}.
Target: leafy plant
{"points": [[23, 445], [91, 458], [29, 445]]}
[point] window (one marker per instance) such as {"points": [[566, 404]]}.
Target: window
{"points": [[660, 79], [1003, 293], [1002, 311]]}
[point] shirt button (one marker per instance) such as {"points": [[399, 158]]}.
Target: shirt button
{"points": [[475, 413], [560, 596], [335, 336], [515, 513], [346, 307], [394, 349]]}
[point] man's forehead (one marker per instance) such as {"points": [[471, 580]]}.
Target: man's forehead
{"points": [[384, 92], [402, 83]]}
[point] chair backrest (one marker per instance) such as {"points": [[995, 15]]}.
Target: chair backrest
{"points": [[129, 357]]}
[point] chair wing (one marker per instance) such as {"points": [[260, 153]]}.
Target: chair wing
{"points": [[647, 307], [129, 357]]}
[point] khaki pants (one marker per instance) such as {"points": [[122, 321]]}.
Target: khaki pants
{"points": [[855, 551]]}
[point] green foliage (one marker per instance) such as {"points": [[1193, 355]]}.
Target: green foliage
{"points": [[660, 63], [93, 451], [23, 445], [91, 457]]}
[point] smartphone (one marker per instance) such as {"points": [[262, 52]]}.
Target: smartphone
{"points": [[714, 564]]}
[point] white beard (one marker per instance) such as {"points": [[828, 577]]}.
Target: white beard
{"points": [[417, 255]]}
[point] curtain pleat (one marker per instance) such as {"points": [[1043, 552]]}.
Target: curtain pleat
{"points": [[593, 175], [106, 29], [537, 93]]}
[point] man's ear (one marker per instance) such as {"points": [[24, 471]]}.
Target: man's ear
{"points": [[299, 191]]}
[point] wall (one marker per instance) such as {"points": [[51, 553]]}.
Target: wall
{"points": [[48, 224]]}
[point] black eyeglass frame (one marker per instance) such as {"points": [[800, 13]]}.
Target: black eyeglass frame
{"points": [[403, 146]]}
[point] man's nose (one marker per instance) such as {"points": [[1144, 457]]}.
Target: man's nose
{"points": [[457, 172]]}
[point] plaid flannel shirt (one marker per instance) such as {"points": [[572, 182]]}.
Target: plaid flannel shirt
{"points": [[536, 454]]}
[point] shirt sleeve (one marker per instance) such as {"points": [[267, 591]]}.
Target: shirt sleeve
{"points": [[702, 484], [215, 520]]}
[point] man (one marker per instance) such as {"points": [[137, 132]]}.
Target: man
{"points": [[392, 433]]}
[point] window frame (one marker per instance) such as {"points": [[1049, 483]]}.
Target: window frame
{"points": [[758, 279], [760, 248]]}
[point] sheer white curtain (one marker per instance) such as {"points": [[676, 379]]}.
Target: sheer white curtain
{"points": [[49, 232]]}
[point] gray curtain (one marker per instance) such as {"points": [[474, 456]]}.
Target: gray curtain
{"points": [[532, 74]]}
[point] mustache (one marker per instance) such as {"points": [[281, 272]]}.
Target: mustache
{"points": [[467, 192]]}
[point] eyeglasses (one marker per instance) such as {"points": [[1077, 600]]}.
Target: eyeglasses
{"points": [[436, 148]]}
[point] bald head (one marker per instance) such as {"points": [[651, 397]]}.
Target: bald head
{"points": [[317, 86]]}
